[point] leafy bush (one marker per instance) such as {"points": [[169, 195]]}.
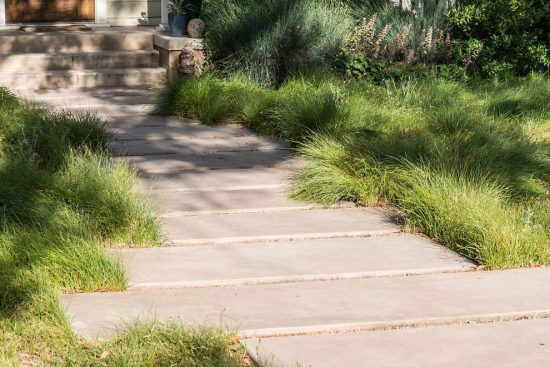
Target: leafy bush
{"points": [[268, 39], [500, 36]]}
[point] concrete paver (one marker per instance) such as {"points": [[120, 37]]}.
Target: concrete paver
{"points": [[181, 145], [198, 162], [273, 226], [170, 129], [313, 307], [175, 203], [523, 343], [217, 180], [291, 261]]}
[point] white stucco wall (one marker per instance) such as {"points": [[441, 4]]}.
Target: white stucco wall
{"points": [[133, 12]]}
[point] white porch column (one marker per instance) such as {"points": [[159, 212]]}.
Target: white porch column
{"points": [[2, 13], [100, 11], [164, 13]]}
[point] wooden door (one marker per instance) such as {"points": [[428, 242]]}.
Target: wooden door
{"points": [[49, 10]]}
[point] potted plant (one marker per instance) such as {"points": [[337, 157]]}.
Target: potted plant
{"points": [[178, 17]]}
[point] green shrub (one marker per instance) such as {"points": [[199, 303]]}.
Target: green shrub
{"points": [[268, 39], [503, 36]]}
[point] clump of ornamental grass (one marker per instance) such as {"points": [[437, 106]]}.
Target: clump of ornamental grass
{"points": [[62, 200], [464, 210], [267, 40]]}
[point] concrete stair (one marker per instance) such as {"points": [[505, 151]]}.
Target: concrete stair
{"points": [[99, 58], [313, 307], [510, 344], [301, 284], [286, 262], [98, 40], [79, 60]]}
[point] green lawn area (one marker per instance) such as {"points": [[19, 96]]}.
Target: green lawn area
{"points": [[468, 163], [62, 200]]}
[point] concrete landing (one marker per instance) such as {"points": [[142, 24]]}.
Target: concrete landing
{"points": [[280, 262], [322, 307], [523, 343]]}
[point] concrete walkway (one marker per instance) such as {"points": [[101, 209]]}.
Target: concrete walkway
{"points": [[301, 284]]}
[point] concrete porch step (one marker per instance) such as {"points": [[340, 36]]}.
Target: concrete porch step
{"points": [[324, 306], [34, 62], [504, 344], [279, 226], [94, 41], [283, 262], [84, 97], [81, 78]]}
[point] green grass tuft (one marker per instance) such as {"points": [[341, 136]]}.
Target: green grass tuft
{"points": [[152, 344], [267, 40]]}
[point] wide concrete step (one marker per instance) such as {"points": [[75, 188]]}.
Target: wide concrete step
{"points": [[200, 162], [174, 129], [324, 306], [254, 200], [82, 78], [183, 144], [95, 41], [217, 180], [306, 260], [280, 225], [107, 110], [128, 123], [505, 344], [34, 62]]}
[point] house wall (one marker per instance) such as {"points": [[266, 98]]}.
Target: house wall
{"points": [[133, 12]]}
